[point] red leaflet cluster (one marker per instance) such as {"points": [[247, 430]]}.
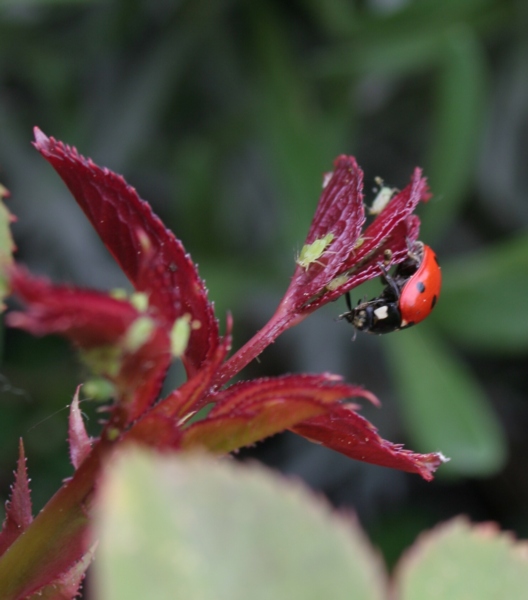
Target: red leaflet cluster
{"points": [[340, 256], [150, 255], [131, 341], [353, 256], [88, 318], [98, 324]]}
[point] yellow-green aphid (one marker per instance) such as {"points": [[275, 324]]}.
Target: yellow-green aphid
{"points": [[359, 242], [382, 198], [103, 360], [310, 253], [112, 433], [179, 335], [336, 282], [140, 301], [138, 334], [98, 389]]}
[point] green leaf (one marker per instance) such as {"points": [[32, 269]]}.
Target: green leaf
{"points": [[7, 246], [444, 407], [458, 561], [190, 527], [483, 301]]}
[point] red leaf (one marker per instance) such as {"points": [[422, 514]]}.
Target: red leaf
{"points": [[227, 433], [340, 208], [340, 212], [161, 427], [351, 257], [345, 431], [94, 320], [68, 585], [324, 388], [395, 228], [79, 440], [396, 212], [142, 373], [18, 508], [87, 318], [193, 395], [251, 411], [155, 430], [150, 255]]}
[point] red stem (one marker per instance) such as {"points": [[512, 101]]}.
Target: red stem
{"points": [[283, 319]]}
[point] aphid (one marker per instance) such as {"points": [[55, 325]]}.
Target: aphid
{"points": [[383, 197], [311, 253]]}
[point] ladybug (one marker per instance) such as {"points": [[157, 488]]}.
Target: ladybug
{"points": [[408, 297]]}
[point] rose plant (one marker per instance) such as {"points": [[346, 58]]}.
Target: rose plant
{"points": [[131, 340]]}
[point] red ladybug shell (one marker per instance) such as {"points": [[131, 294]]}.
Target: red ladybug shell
{"points": [[421, 291]]}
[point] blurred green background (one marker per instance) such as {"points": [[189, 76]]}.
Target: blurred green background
{"points": [[224, 115]]}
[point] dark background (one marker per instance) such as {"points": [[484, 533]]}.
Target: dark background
{"points": [[224, 115]]}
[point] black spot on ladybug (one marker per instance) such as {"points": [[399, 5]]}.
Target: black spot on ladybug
{"points": [[420, 287], [435, 298]]}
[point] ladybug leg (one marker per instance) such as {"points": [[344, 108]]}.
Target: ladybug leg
{"points": [[347, 315], [414, 251], [389, 280], [348, 301], [411, 249]]}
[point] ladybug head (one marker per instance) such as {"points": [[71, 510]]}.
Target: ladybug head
{"points": [[376, 316]]}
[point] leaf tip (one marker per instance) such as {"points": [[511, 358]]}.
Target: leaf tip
{"points": [[79, 440], [18, 508], [427, 464], [41, 139]]}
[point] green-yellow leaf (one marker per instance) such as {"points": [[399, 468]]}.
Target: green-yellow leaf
{"points": [[195, 528], [458, 561], [7, 245]]}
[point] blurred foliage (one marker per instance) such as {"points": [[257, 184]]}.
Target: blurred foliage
{"points": [[283, 543], [224, 115]]}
